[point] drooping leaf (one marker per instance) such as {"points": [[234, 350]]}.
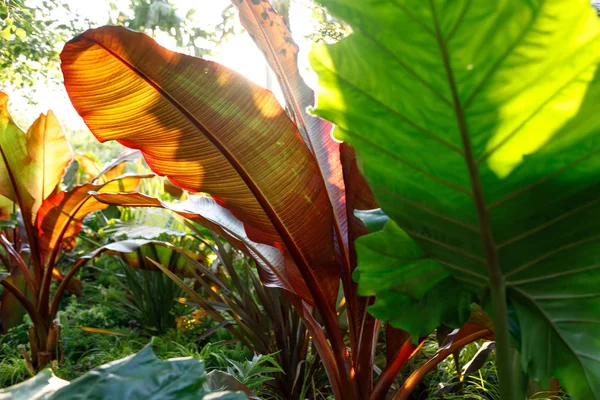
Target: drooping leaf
{"points": [[208, 129], [478, 359], [133, 230], [476, 123], [101, 331], [61, 215], [135, 253], [206, 212], [117, 166]]}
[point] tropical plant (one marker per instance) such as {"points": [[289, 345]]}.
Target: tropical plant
{"points": [[139, 376], [262, 318], [477, 128], [148, 297], [254, 373], [43, 219], [283, 190]]}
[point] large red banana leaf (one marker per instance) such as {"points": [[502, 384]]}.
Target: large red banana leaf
{"points": [[209, 129], [346, 188], [268, 30]]}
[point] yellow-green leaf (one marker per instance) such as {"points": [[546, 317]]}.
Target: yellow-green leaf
{"points": [[21, 34]]}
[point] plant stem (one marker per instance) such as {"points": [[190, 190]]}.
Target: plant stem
{"points": [[501, 333], [411, 383], [497, 287], [406, 352]]}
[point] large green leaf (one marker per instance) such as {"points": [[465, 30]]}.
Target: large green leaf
{"points": [[404, 278], [40, 387], [477, 126], [139, 376]]}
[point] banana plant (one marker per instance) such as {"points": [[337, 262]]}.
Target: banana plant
{"points": [[288, 188], [32, 165], [476, 123]]}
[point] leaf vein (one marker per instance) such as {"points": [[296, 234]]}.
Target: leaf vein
{"points": [[550, 254], [552, 276], [396, 113], [458, 21], [453, 249], [461, 269], [503, 58], [515, 131], [548, 224], [408, 164], [428, 210], [413, 17], [406, 67]]}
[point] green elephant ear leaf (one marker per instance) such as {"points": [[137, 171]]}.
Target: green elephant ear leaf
{"points": [[138, 376], [478, 129]]}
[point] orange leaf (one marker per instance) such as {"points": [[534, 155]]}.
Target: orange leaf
{"points": [[61, 215], [32, 164], [89, 166], [210, 130]]}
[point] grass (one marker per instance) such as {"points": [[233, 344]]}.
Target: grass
{"points": [[13, 368]]}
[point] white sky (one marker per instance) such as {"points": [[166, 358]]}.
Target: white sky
{"points": [[238, 53]]}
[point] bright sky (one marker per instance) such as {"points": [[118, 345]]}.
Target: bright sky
{"points": [[238, 53]]}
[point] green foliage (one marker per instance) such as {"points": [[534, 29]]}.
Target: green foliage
{"points": [[30, 39], [253, 373], [83, 141], [13, 368], [148, 297], [162, 15], [142, 375], [476, 123], [327, 28]]}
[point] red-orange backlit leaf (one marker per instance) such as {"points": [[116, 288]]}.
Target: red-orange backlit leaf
{"points": [[268, 30], [61, 215], [209, 130]]}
